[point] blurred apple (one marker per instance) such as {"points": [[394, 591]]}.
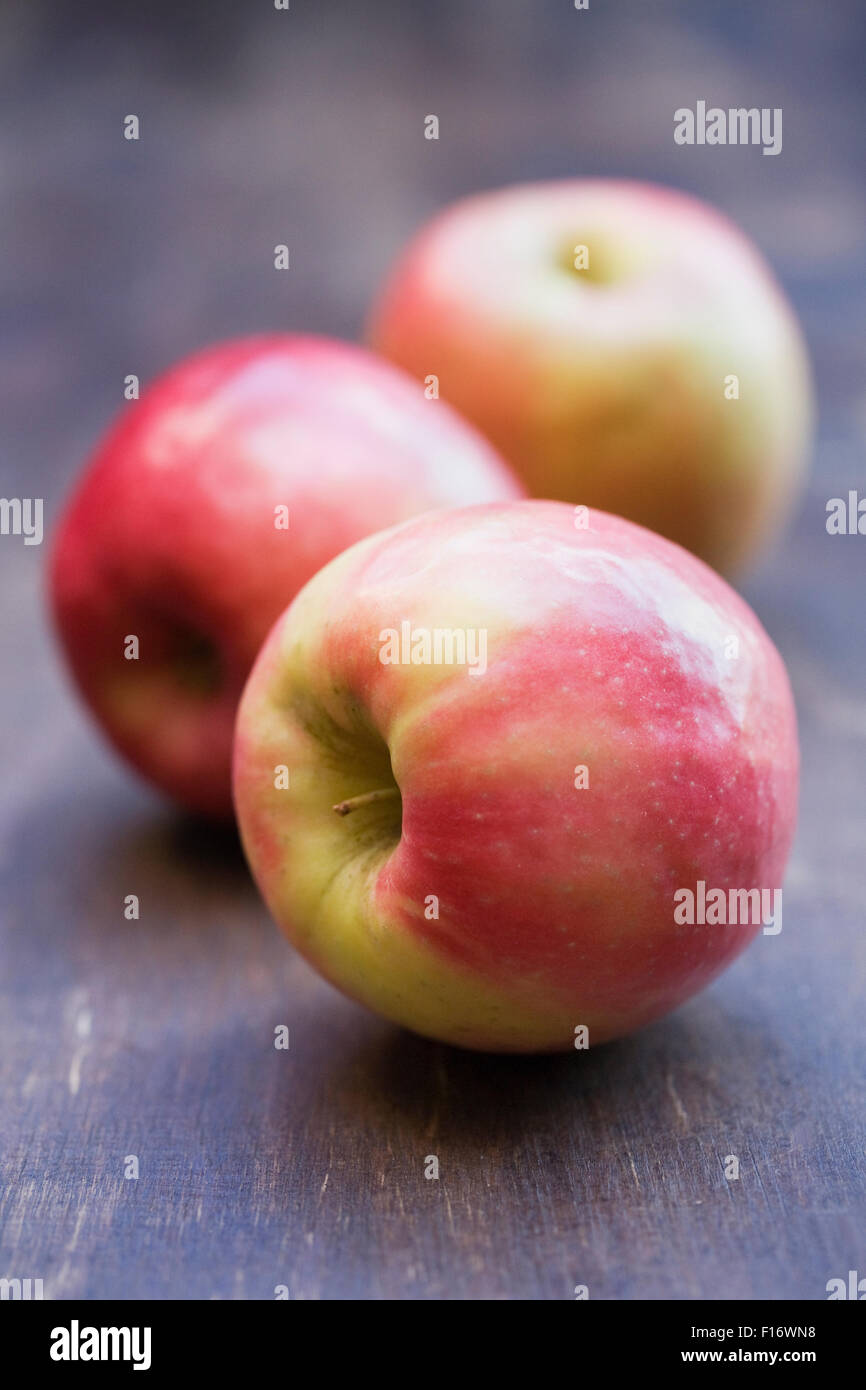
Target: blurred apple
{"points": [[209, 504], [623, 345], [488, 847]]}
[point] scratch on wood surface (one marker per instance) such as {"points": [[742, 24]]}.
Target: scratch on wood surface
{"points": [[324, 1186], [678, 1105], [634, 1172], [81, 1019], [74, 1080], [79, 1221], [448, 1206]]}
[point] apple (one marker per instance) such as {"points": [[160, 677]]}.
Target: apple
{"points": [[623, 345], [485, 757], [209, 505]]}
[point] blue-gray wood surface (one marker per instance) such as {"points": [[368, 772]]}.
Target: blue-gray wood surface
{"points": [[305, 1167]]}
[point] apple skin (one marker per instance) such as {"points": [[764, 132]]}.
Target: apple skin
{"points": [[171, 536], [607, 386], [607, 648]]}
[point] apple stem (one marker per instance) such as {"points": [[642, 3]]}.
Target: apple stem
{"points": [[365, 799]]}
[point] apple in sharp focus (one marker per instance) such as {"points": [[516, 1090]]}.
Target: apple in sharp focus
{"points": [[208, 506], [482, 753], [623, 345]]}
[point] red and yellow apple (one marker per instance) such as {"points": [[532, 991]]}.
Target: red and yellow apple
{"points": [[481, 753], [207, 507], [624, 346]]}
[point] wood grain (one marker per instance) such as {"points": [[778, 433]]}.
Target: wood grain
{"points": [[155, 1039]]}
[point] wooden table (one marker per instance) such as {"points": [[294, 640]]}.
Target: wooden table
{"points": [[154, 1039]]}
